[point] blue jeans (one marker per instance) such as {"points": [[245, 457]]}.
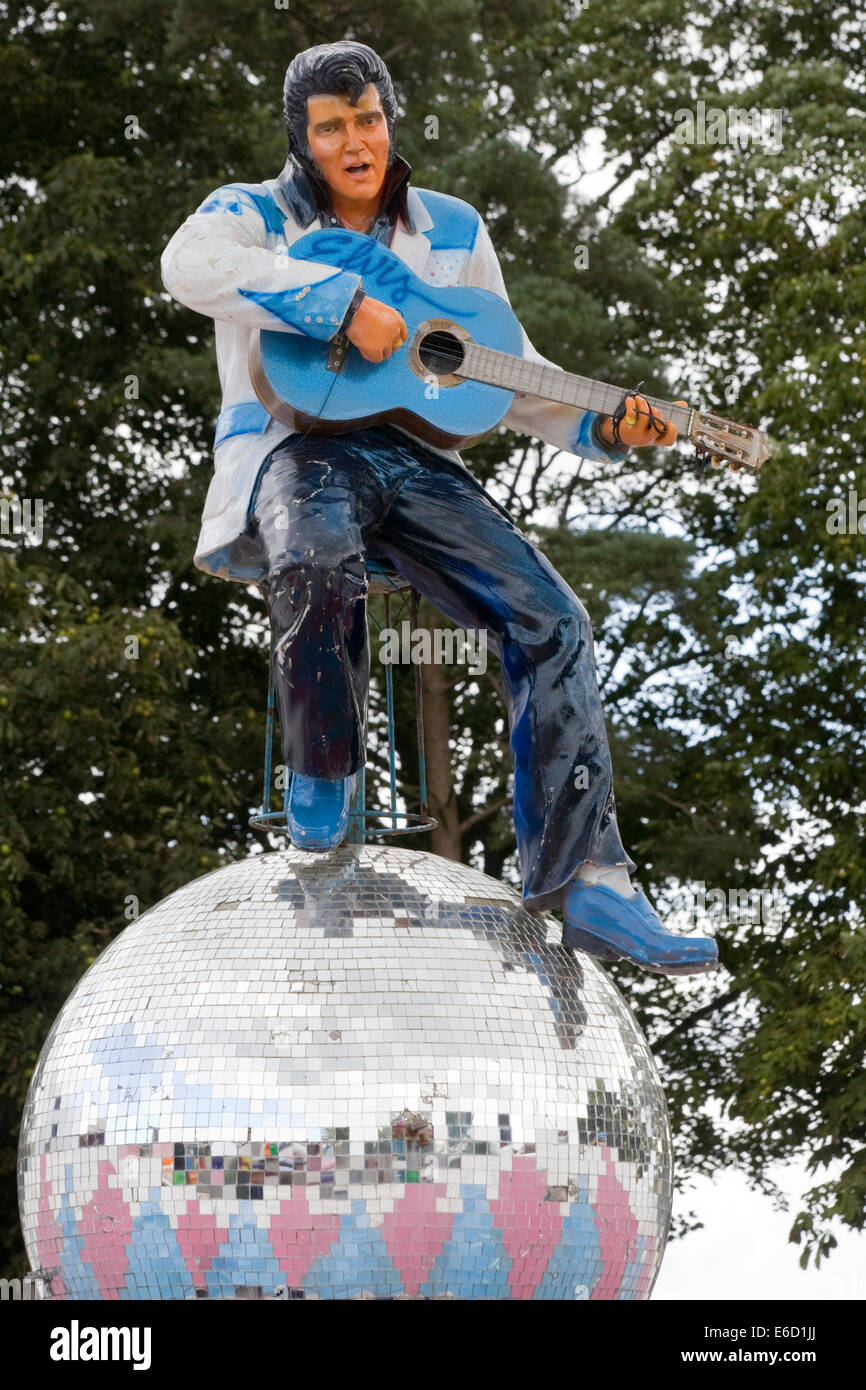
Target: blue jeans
{"points": [[322, 504]]}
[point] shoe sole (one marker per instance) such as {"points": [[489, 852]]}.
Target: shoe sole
{"points": [[582, 940], [586, 942], [702, 968], [314, 848]]}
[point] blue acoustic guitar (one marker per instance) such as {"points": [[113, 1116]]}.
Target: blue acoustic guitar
{"points": [[457, 374]]}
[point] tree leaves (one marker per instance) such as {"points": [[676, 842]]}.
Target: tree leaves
{"points": [[728, 617]]}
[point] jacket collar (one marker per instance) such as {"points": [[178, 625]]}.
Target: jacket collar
{"points": [[307, 196]]}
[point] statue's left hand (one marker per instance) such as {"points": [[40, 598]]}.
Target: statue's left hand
{"points": [[636, 429]]}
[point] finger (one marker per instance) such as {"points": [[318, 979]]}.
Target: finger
{"points": [[665, 436], [643, 410], [671, 434], [662, 431]]}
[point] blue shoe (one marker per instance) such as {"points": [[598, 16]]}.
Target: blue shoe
{"points": [[317, 813], [607, 925]]}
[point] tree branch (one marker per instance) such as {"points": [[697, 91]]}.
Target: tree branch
{"points": [[536, 477], [629, 686], [704, 1012], [517, 472], [570, 491], [666, 475], [617, 651], [484, 814], [635, 163]]}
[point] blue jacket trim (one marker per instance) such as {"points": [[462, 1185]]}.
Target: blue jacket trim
{"points": [[247, 417], [455, 223], [585, 442], [318, 316], [241, 197]]}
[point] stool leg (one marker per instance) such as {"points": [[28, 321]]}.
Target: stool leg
{"points": [[269, 719], [269, 741], [389, 698], [265, 812], [419, 715]]}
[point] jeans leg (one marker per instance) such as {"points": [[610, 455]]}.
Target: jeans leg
{"points": [[311, 510], [462, 553]]}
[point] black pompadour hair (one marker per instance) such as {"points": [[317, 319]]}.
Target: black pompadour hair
{"points": [[335, 69]]}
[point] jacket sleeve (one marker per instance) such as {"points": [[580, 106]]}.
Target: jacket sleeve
{"points": [[220, 263], [561, 425]]}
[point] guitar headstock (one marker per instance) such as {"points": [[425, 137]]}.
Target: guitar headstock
{"points": [[725, 441]]}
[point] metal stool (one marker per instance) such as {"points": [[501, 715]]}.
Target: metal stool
{"points": [[387, 583]]}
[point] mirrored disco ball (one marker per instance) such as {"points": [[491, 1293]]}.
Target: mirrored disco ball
{"points": [[363, 1074]]}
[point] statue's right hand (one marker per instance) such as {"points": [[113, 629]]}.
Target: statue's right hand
{"points": [[377, 330]]}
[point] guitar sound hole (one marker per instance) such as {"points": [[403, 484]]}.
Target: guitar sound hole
{"points": [[440, 352]]}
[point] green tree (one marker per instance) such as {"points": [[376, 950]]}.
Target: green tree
{"points": [[728, 618]]}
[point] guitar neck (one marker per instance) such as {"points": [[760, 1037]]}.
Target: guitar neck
{"points": [[551, 384]]}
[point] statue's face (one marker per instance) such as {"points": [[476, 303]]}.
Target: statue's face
{"points": [[350, 144]]}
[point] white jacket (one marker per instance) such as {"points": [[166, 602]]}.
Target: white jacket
{"points": [[230, 261]]}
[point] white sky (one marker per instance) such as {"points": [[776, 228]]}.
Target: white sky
{"points": [[743, 1252]]}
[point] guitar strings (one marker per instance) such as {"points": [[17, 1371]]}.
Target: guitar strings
{"points": [[534, 378]]}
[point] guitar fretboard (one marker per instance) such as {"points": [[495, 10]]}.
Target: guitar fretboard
{"points": [[550, 384]]}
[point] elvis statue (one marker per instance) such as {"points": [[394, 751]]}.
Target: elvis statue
{"points": [[300, 513]]}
